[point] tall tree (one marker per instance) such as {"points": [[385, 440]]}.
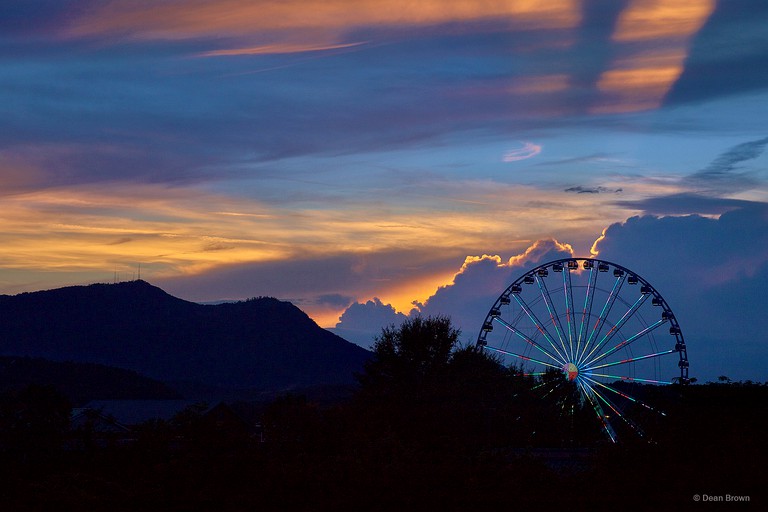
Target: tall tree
{"points": [[425, 389], [411, 354]]}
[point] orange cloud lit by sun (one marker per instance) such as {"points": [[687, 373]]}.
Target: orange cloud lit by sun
{"points": [[594, 251], [639, 83], [641, 80], [532, 252], [88, 231], [540, 84], [536, 248], [654, 19], [631, 83], [174, 231], [323, 20], [93, 229], [402, 295]]}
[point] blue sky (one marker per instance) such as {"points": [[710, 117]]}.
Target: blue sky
{"points": [[333, 153]]}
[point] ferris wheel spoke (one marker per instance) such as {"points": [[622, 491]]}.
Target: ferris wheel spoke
{"points": [[624, 395], [588, 298], [520, 356], [528, 340], [532, 316], [630, 360], [617, 411], [606, 309], [625, 343], [569, 315], [552, 311], [588, 392], [618, 325]]}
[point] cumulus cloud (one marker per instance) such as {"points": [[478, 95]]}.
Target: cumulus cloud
{"points": [[682, 249], [361, 323], [481, 280], [712, 272], [467, 298]]}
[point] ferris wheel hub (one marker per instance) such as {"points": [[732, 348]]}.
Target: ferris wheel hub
{"points": [[571, 371]]}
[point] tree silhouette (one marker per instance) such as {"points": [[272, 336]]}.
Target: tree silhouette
{"points": [[409, 355], [429, 392]]}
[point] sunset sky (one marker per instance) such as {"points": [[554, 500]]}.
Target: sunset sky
{"points": [[365, 156]]}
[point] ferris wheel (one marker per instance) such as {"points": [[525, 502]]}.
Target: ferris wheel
{"points": [[599, 328]]}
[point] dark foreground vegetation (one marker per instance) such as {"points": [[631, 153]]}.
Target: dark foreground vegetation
{"points": [[432, 426]]}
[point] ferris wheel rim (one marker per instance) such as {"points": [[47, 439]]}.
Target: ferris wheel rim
{"points": [[590, 366]]}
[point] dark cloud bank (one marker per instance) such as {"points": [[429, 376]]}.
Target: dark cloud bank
{"points": [[712, 271]]}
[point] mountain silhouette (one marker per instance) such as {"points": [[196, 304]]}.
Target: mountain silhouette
{"points": [[264, 343]]}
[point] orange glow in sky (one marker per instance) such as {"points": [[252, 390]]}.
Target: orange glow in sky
{"points": [[542, 84], [655, 19], [641, 81], [181, 19], [194, 136]]}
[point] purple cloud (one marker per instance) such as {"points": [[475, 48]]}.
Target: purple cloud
{"points": [[686, 204], [727, 55], [467, 299], [713, 273], [361, 323]]}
